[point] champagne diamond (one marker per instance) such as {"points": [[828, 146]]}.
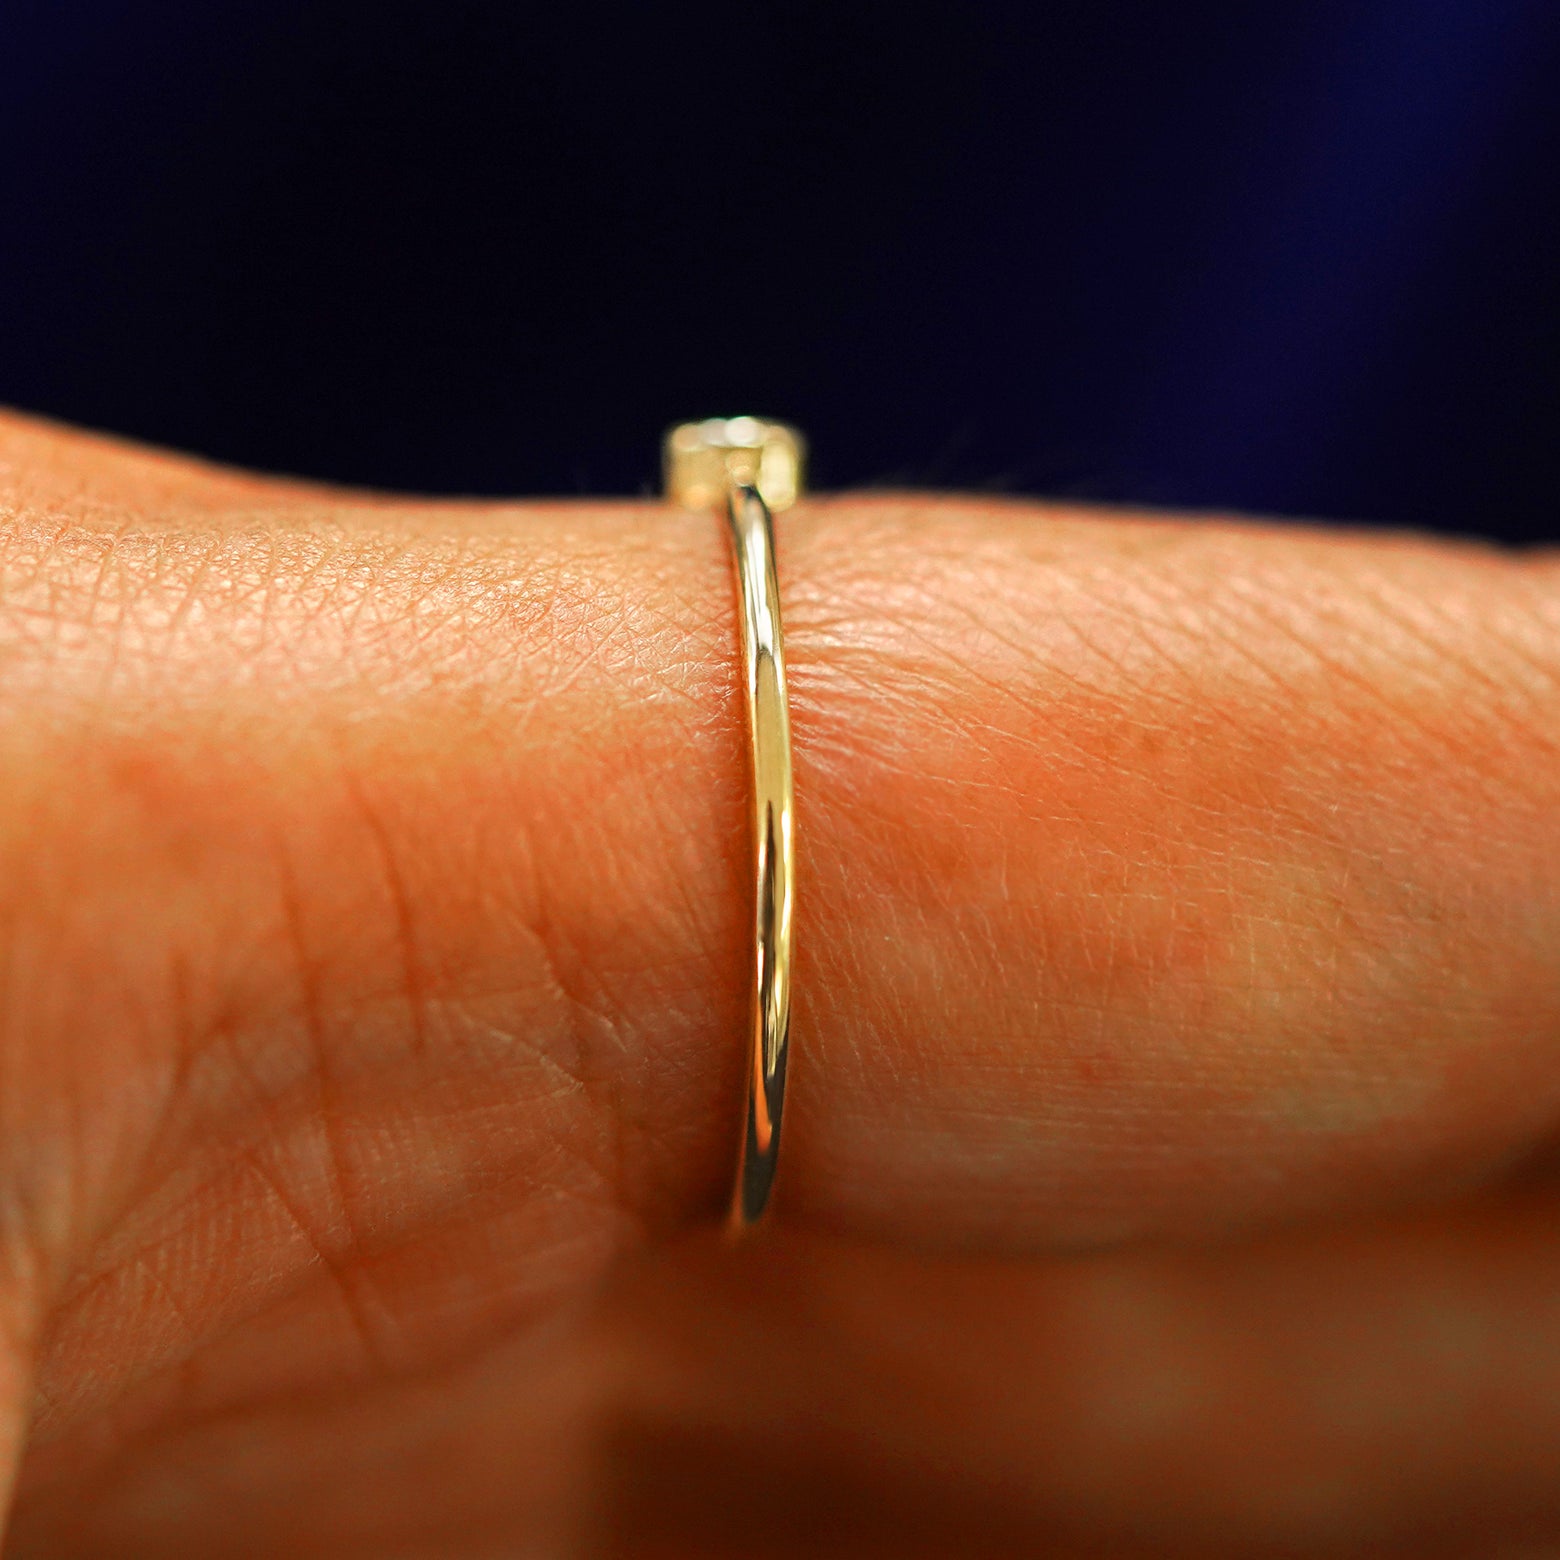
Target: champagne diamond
{"points": [[701, 458]]}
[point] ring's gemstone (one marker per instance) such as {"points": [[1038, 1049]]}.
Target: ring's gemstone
{"points": [[702, 458]]}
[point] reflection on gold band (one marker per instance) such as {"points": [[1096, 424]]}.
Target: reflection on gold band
{"points": [[745, 444], [769, 723]]}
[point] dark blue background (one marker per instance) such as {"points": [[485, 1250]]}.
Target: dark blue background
{"points": [[1291, 258]]}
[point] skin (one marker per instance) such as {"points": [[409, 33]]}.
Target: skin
{"points": [[1169, 1153]]}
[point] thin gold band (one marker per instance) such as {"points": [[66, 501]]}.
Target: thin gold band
{"points": [[752, 465], [769, 727]]}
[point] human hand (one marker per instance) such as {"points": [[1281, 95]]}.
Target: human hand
{"points": [[1176, 1043]]}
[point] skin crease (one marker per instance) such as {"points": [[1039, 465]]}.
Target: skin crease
{"points": [[1177, 1034]]}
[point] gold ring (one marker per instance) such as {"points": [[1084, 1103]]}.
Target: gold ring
{"points": [[751, 468]]}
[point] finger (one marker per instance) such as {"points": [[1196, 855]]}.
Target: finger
{"points": [[1388, 1389], [379, 877], [1168, 878]]}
